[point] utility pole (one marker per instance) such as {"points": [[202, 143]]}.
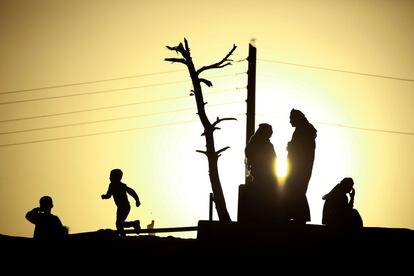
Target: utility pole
{"points": [[244, 212], [251, 92]]}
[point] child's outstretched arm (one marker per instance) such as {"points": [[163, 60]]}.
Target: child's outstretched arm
{"points": [[107, 195], [134, 195]]}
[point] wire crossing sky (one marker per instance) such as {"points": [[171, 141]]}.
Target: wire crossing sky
{"points": [[84, 89]]}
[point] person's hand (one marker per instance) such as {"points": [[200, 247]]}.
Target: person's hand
{"points": [[137, 203], [103, 196], [352, 192]]}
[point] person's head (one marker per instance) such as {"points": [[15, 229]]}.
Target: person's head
{"points": [[116, 175], [264, 131], [344, 187], [46, 203], [347, 184], [297, 117]]}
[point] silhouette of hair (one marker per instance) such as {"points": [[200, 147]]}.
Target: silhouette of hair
{"points": [[46, 203], [116, 174], [343, 187], [299, 119], [264, 131]]}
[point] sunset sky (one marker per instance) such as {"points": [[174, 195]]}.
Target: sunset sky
{"points": [[109, 100]]}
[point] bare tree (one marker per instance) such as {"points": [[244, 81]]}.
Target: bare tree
{"points": [[209, 128]]}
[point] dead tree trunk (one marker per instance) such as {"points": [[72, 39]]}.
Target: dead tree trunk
{"points": [[209, 128]]}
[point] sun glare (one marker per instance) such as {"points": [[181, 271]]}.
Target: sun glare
{"points": [[281, 167]]}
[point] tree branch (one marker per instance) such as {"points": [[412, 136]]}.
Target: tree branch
{"points": [[220, 151], [186, 45], [180, 60], [221, 120], [206, 82], [180, 48], [222, 63], [202, 151]]}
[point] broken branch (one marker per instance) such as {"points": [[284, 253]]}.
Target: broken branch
{"points": [[222, 63]]}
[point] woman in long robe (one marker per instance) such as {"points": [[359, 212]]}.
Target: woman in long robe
{"points": [[301, 155]]}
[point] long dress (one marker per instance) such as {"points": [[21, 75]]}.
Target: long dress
{"points": [[301, 155], [261, 159]]}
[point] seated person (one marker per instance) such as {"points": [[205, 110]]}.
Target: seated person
{"points": [[338, 210]]}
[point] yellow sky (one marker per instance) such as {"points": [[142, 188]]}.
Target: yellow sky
{"points": [[49, 43]]}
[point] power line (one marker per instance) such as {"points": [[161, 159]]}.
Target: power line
{"points": [[98, 81], [351, 127], [99, 133], [114, 106], [93, 134], [89, 82], [91, 93], [107, 91], [367, 129], [241, 60], [111, 119], [336, 70]]}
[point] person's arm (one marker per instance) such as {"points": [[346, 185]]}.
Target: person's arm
{"points": [[132, 193], [352, 196], [33, 215], [108, 193]]}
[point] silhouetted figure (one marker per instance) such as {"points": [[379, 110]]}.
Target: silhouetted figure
{"points": [[338, 210], [261, 167], [47, 225], [119, 191], [261, 156], [301, 154]]}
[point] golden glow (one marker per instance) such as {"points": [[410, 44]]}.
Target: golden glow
{"points": [[282, 170], [281, 167], [47, 43]]}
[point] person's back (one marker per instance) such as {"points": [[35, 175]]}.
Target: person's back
{"points": [[261, 156], [262, 161], [262, 188], [48, 226], [335, 208]]}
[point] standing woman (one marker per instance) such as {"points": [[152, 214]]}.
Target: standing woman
{"points": [[301, 154], [261, 165], [261, 157]]}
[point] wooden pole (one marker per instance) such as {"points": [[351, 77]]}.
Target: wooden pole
{"points": [[251, 92], [243, 208]]}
